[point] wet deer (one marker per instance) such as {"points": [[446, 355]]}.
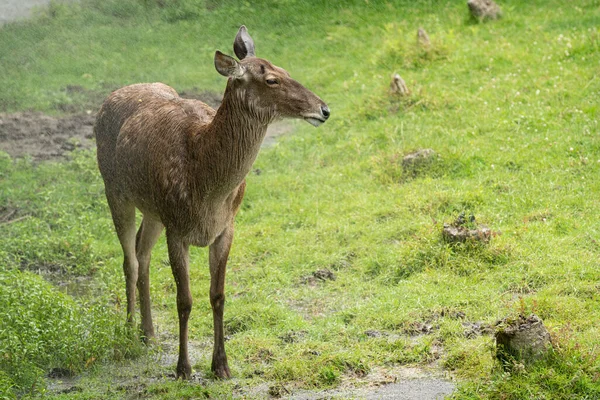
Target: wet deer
{"points": [[183, 165]]}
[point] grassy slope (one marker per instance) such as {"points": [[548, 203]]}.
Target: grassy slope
{"points": [[511, 107]]}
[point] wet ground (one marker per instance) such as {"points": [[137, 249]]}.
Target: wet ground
{"points": [[11, 10]]}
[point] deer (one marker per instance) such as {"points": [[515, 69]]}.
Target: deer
{"points": [[183, 165]]}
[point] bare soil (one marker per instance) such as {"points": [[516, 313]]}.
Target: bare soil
{"points": [[11, 10], [43, 137]]}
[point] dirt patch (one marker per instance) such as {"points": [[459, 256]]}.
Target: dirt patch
{"points": [[320, 275], [42, 136], [11, 10], [380, 383], [8, 215]]}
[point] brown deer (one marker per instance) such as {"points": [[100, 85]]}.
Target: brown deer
{"points": [[183, 165]]}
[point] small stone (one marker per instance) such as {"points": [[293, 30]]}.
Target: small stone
{"points": [[463, 229], [423, 38], [484, 9], [524, 339], [417, 158], [398, 86], [461, 234]]}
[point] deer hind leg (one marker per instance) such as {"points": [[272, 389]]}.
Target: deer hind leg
{"points": [[146, 238], [218, 254], [179, 258], [123, 214]]}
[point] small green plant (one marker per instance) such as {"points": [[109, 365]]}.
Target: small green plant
{"points": [[42, 329]]}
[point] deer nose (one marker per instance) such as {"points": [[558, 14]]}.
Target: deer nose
{"points": [[325, 111]]}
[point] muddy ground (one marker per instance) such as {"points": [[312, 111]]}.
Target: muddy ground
{"points": [[11, 10], [43, 137]]}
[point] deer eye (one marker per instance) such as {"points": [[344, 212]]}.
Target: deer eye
{"points": [[272, 82]]}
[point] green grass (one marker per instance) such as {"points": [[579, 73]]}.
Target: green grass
{"points": [[510, 107]]}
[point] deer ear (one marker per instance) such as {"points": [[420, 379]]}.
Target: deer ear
{"points": [[228, 66], [243, 45]]}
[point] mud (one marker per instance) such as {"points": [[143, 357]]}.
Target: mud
{"points": [[401, 383], [43, 137], [320, 275], [11, 10]]}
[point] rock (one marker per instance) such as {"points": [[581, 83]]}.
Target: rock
{"points": [[460, 234], [484, 9], [398, 86], [524, 339], [462, 230], [423, 38], [417, 159]]}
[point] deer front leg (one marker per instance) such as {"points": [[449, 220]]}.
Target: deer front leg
{"points": [[179, 258], [218, 253]]}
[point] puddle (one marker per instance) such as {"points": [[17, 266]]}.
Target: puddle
{"points": [[399, 383]]}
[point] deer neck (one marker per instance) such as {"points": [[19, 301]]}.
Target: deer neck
{"points": [[232, 141]]}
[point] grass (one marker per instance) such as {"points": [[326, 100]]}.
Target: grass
{"points": [[510, 108]]}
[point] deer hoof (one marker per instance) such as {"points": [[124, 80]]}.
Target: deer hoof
{"points": [[147, 337], [184, 371], [222, 372]]}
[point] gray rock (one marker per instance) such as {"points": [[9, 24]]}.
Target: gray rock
{"points": [[464, 229], [484, 9], [461, 234], [398, 86], [418, 158], [423, 38]]}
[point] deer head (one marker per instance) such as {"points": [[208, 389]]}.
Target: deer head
{"points": [[267, 90]]}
